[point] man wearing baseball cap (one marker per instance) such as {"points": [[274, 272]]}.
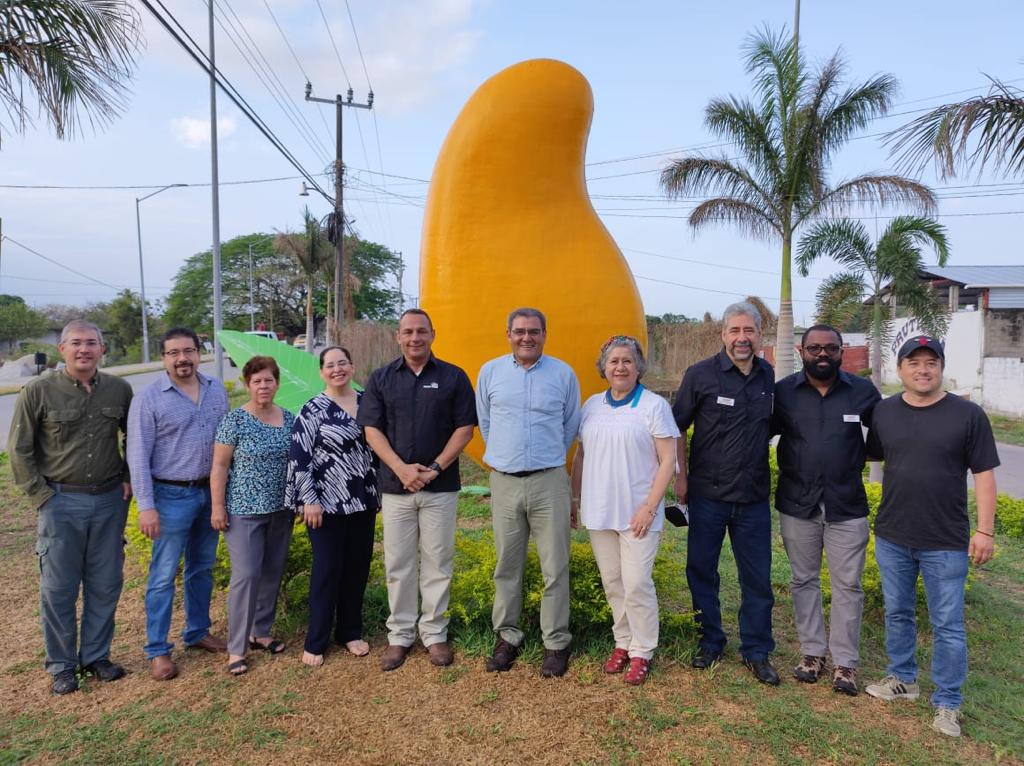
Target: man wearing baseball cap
{"points": [[929, 439]]}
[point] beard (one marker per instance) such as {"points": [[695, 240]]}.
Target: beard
{"points": [[822, 373]]}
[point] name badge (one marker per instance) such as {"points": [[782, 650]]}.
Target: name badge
{"points": [[727, 401], [434, 385], [851, 418]]}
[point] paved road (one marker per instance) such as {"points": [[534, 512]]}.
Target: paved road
{"points": [[1009, 476], [138, 382]]}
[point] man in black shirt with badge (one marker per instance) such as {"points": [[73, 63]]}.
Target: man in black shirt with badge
{"points": [[820, 411], [728, 400], [929, 439], [418, 413]]}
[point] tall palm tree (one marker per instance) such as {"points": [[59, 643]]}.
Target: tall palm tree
{"points": [[73, 55], [786, 137], [310, 249], [943, 134], [894, 261]]}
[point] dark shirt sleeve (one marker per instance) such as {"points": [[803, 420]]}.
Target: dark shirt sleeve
{"points": [[371, 406], [21, 445], [685, 408], [464, 410], [775, 424], [982, 454], [873, 398], [874, 444]]}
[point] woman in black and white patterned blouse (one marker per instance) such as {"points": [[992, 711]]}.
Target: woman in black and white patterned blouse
{"points": [[332, 484]]}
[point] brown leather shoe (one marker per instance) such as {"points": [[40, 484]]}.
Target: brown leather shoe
{"points": [[556, 662], [162, 668], [210, 643], [393, 657], [441, 654], [502, 658]]}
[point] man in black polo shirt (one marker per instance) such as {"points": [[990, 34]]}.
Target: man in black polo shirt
{"points": [[929, 439], [418, 413], [820, 411], [728, 400]]}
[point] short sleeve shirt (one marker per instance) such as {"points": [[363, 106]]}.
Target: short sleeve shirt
{"points": [[259, 465], [620, 459], [730, 415], [418, 414], [927, 453]]}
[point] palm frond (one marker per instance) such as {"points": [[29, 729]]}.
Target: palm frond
{"points": [[741, 122], [875, 189], [714, 176], [839, 299], [854, 110], [844, 241], [75, 56], [902, 239], [747, 217], [944, 135]]}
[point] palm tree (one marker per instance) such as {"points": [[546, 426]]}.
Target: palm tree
{"points": [[895, 260], [944, 133], [74, 55], [310, 249], [785, 138]]}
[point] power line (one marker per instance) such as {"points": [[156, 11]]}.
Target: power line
{"points": [[225, 85], [712, 290], [334, 45], [59, 264], [702, 263], [133, 187], [73, 282]]}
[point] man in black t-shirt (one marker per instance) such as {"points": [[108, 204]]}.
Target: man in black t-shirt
{"points": [[928, 440]]}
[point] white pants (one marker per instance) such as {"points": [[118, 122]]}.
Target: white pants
{"points": [[418, 528], [626, 564]]}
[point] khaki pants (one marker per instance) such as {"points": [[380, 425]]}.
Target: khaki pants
{"points": [[626, 564], [418, 529], [538, 503]]}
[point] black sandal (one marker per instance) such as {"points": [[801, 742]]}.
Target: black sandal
{"points": [[238, 667], [273, 647]]}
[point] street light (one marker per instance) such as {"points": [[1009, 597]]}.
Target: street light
{"points": [[142, 278]]}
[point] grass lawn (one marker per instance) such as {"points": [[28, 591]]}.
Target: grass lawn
{"points": [[1007, 430], [350, 712]]}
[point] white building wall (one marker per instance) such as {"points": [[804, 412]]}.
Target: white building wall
{"points": [[1004, 385]]}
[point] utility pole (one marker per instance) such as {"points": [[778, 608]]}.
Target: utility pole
{"points": [[218, 352], [341, 283], [401, 273], [796, 25], [252, 308], [142, 274]]}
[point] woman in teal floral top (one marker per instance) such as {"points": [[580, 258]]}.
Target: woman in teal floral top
{"points": [[250, 461]]}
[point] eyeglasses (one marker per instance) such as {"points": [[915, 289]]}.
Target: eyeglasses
{"points": [[831, 349], [519, 332], [174, 353], [341, 363]]}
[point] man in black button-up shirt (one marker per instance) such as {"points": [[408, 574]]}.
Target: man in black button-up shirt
{"points": [[728, 400], [419, 414], [821, 412]]}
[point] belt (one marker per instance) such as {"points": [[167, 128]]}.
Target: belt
{"points": [[86, 489], [522, 474], [190, 484]]}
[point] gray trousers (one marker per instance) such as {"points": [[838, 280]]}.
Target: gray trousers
{"points": [[844, 543], [80, 545], [258, 548], [538, 503]]}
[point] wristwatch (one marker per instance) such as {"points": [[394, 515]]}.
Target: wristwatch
{"points": [[435, 466]]}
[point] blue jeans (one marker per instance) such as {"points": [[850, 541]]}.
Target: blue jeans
{"points": [[944, 574], [184, 530], [750, 532]]}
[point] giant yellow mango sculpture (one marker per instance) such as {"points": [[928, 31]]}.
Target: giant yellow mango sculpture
{"points": [[509, 223]]}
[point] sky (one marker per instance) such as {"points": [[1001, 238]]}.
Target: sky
{"points": [[652, 66]]}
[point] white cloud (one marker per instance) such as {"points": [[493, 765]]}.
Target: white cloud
{"points": [[194, 133]]}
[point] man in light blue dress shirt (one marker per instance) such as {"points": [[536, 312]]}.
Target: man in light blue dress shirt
{"points": [[171, 427], [528, 405]]}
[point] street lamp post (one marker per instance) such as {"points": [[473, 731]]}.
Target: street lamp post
{"points": [[142, 277]]}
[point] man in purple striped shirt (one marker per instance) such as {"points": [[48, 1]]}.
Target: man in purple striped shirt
{"points": [[171, 427]]}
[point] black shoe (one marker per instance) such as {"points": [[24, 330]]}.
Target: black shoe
{"points": [[705, 658], [105, 670], [65, 682], [556, 662], [502, 657], [763, 671]]}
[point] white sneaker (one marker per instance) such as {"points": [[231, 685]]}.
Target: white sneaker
{"points": [[947, 721], [891, 688]]}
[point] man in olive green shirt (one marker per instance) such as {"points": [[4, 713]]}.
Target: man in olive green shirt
{"points": [[66, 454]]}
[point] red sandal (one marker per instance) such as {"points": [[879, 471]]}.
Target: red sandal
{"points": [[616, 662], [638, 669]]}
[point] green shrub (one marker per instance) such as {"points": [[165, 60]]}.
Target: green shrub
{"points": [[1010, 516]]}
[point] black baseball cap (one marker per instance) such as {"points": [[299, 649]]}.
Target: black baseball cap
{"points": [[921, 341]]}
